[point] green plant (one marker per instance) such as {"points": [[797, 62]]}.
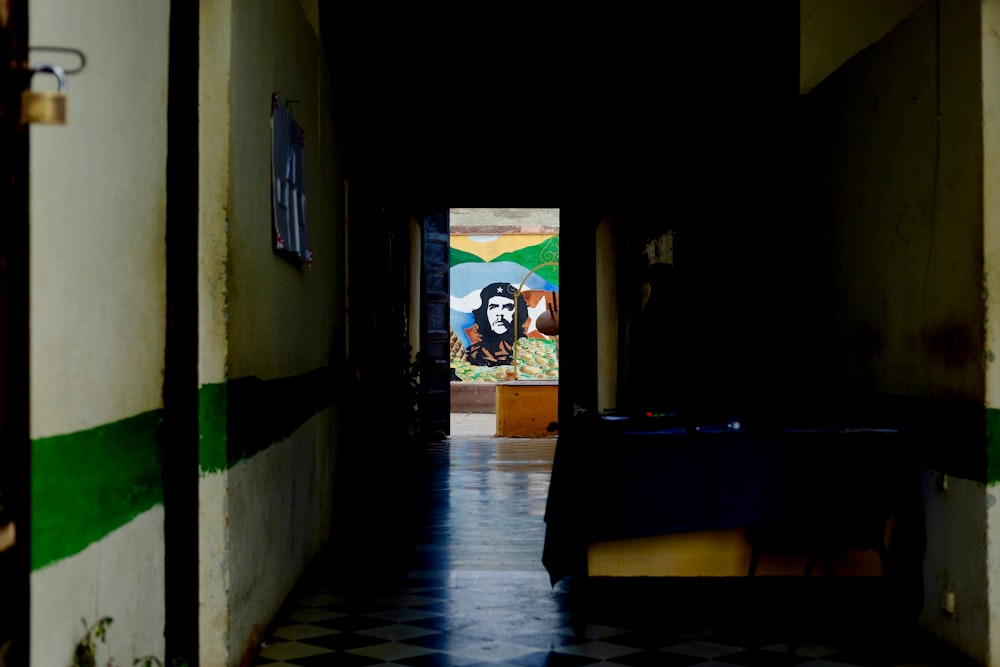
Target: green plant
{"points": [[85, 654], [153, 661], [86, 649]]}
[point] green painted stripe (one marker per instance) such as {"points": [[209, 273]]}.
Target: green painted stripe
{"points": [[86, 484], [212, 405], [992, 446], [244, 416], [261, 413]]}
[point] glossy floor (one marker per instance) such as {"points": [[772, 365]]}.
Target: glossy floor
{"points": [[449, 573]]}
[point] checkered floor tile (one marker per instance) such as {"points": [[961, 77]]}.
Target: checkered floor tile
{"points": [[463, 586]]}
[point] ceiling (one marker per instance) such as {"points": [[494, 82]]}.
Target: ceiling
{"points": [[643, 103]]}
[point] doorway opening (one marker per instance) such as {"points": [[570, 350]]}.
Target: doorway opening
{"points": [[504, 318]]}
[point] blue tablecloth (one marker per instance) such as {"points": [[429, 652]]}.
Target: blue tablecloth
{"points": [[618, 480]]}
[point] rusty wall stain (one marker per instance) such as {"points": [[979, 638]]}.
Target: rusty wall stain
{"points": [[954, 344]]}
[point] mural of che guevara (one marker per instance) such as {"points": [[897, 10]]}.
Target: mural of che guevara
{"points": [[491, 338]]}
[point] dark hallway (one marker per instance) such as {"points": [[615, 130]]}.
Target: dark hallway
{"points": [[453, 576], [215, 406]]}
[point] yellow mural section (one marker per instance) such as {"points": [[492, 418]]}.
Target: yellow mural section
{"points": [[489, 247]]}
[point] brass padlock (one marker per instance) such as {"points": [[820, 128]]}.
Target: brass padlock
{"points": [[47, 107]]}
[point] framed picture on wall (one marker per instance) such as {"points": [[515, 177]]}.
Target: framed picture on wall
{"points": [[288, 193]]}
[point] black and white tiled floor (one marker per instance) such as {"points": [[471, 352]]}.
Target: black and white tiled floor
{"points": [[458, 581]]}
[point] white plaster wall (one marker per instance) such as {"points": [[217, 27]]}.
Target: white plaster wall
{"points": [[98, 193], [955, 561], [280, 318], [213, 207], [279, 508], [281, 321], [213, 187], [98, 297], [991, 193], [213, 567], [122, 576], [993, 574], [991, 268]]}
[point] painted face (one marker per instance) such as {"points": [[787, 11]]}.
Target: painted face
{"points": [[500, 313]]}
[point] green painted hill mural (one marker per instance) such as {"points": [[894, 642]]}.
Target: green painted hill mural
{"points": [[482, 327], [528, 257], [532, 256], [461, 257]]}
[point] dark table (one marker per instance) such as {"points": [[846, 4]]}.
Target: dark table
{"points": [[824, 486]]}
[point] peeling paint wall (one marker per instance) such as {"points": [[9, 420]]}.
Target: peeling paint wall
{"points": [[893, 185], [990, 30], [505, 220], [956, 562], [215, 25], [275, 50], [98, 320], [894, 207], [269, 329]]}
